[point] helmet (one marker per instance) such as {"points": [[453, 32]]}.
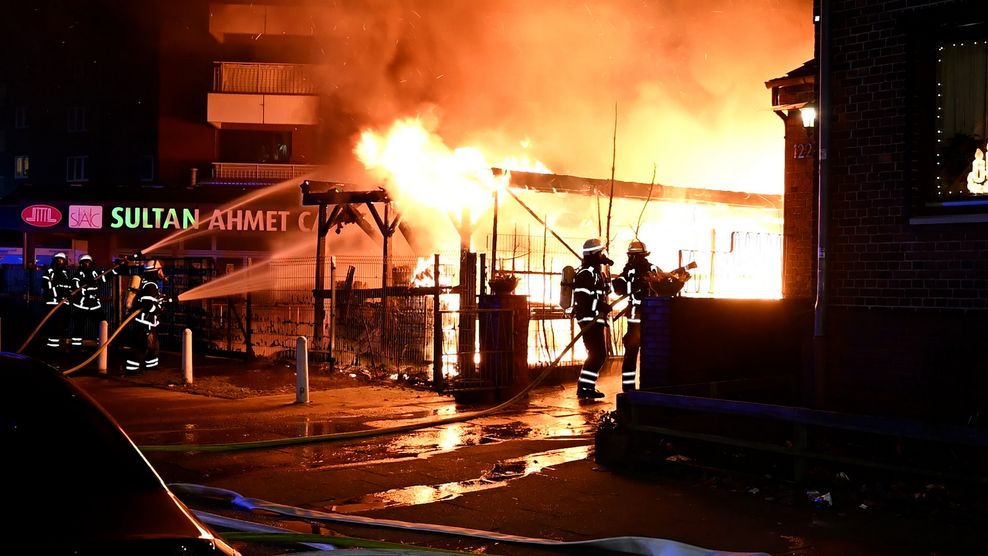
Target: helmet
{"points": [[151, 266], [637, 248], [59, 255], [592, 246], [85, 258]]}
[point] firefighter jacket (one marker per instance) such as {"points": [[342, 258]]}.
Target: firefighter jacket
{"points": [[633, 282], [148, 300], [590, 291], [57, 284], [88, 281]]}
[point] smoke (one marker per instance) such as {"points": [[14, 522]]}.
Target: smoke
{"points": [[685, 77]]}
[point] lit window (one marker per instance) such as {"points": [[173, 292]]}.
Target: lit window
{"points": [[76, 169], [961, 121], [22, 167]]}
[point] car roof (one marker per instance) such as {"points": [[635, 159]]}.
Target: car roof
{"points": [[78, 479]]}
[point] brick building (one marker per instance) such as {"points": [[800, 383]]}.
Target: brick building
{"points": [[900, 88]]}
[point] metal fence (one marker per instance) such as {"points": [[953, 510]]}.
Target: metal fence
{"points": [[261, 309]]}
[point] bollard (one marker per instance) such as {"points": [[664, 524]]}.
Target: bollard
{"points": [[187, 356], [302, 370], [104, 333], [332, 312]]}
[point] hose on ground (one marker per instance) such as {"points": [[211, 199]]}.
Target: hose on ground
{"points": [[642, 546], [332, 437]]}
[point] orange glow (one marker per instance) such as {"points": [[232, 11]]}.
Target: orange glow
{"points": [[420, 169]]}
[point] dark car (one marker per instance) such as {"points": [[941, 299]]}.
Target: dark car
{"points": [[74, 483]]}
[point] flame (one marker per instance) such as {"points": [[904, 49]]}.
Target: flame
{"points": [[524, 163], [420, 168]]}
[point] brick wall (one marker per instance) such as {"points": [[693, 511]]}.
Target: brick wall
{"points": [[876, 257], [799, 250], [905, 294]]}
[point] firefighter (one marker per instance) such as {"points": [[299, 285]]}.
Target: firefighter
{"points": [[592, 312], [633, 283], [87, 309], [57, 287], [144, 335]]}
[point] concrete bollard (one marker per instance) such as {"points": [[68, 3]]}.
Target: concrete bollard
{"points": [[302, 370], [104, 333], [187, 355]]}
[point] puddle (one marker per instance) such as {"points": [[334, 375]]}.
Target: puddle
{"points": [[497, 476]]}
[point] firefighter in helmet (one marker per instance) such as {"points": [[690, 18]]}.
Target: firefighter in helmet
{"points": [[144, 335], [57, 287], [87, 308], [633, 283], [592, 311]]}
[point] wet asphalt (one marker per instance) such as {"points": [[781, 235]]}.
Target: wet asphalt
{"points": [[528, 471]]}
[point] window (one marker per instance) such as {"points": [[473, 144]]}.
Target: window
{"points": [[20, 117], [76, 169], [75, 119], [946, 111], [22, 167], [147, 168], [266, 147], [961, 121]]}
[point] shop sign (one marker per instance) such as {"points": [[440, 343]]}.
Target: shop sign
{"points": [[232, 220], [42, 216], [88, 217]]}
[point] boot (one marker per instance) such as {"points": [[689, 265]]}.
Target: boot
{"points": [[589, 394]]}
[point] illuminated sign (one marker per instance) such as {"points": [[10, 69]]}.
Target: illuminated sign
{"points": [[42, 216], [86, 217], [232, 220], [978, 175]]}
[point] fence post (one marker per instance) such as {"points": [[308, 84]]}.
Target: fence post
{"points": [[437, 333], [187, 355], [301, 370], [104, 333], [332, 313]]}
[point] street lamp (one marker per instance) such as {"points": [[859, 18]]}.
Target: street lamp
{"points": [[808, 113]]}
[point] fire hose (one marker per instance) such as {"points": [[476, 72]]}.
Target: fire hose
{"points": [[644, 546], [62, 302], [332, 437], [105, 345]]}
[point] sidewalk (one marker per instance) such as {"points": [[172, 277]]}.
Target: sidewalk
{"points": [[231, 378], [574, 500]]}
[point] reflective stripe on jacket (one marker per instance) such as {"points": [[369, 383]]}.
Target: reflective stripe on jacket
{"points": [[590, 291]]}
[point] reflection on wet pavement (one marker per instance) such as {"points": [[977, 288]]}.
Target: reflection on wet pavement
{"points": [[497, 476], [555, 415]]}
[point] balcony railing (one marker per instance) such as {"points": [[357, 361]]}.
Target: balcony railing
{"points": [[239, 172], [276, 79]]}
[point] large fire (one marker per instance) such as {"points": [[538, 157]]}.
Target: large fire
{"points": [[738, 250], [421, 169]]}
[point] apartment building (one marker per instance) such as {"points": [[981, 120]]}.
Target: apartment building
{"points": [[178, 107]]}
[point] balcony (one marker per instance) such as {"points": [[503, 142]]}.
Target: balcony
{"points": [[236, 173], [265, 94], [256, 20]]}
